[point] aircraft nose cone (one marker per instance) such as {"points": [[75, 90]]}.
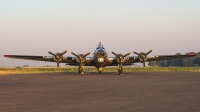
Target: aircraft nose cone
{"points": [[100, 60]]}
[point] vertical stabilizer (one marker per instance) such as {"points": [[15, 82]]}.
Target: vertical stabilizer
{"points": [[99, 44]]}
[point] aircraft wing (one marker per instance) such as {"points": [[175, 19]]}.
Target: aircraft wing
{"points": [[167, 57], [135, 59], [39, 58], [68, 60]]}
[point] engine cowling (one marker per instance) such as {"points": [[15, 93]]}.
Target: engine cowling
{"points": [[143, 56], [58, 57]]}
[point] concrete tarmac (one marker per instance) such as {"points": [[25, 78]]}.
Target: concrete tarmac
{"points": [[106, 92]]}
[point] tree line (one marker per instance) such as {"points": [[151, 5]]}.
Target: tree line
{"points": [[183, 62]]}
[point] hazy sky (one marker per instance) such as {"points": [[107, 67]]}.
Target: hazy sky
{"points": [[33, 27]]}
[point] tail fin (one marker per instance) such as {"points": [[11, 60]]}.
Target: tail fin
{"points": [[99, 44]]}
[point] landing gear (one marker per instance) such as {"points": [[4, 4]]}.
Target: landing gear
{"points": [[80, 70], [100, 69], [120, 59], [81, 59], [120, 70]]}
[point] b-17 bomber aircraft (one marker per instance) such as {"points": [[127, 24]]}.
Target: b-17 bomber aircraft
{"points": [[100, 59]]}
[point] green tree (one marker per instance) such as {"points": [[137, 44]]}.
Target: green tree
{"points": [[177, 62], [196, 61], [169, 62], [152, 63]]}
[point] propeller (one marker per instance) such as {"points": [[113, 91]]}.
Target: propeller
{"points": [[143, 56], [58, 57], [80, 57], [119, 57]]}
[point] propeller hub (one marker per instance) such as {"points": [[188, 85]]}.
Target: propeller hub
{"points": [[142, 57], [80, 58], [120, 59], [58, 57]]}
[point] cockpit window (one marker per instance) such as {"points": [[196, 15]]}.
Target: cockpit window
{"points": [[100, 50]]}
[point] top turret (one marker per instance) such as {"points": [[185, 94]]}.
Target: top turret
{"points": [[100, 46]]}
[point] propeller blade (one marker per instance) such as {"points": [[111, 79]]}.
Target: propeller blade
{"points": [[114, 54], [86, 54], [149, 52], [126, 54], [51, 53], [63, 53], [136, 53], [74, 54]]}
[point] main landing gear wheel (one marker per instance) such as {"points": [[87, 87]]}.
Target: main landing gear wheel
{"points": [[121, 71], [100, 69], [80, 71]]}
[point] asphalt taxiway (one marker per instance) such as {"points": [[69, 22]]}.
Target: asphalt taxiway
{"points": [[106, 92]]}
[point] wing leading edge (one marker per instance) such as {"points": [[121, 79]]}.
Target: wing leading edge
{"points": [[68, 60], [39, 58], [167, 57]]}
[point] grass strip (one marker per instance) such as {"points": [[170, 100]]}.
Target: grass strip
{"points": [[92, 69]]}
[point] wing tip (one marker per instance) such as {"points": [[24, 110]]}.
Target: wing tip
{"points": [[191, 55], [7, 55]]}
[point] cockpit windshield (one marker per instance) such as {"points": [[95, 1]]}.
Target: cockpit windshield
{"points": [[100, 50]]}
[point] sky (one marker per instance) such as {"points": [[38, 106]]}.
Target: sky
{"points": [[34, 27]]}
